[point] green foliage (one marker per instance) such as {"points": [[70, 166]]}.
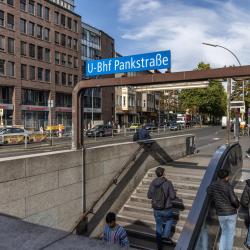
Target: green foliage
{"points": [[210, 101]]}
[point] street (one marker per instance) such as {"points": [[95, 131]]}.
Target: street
{"points": [[204, 136]]}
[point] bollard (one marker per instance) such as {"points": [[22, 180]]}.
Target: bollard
{"points": [[164, 128], [112, 133]]}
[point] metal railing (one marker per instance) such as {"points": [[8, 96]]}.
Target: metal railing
{"points": [[201, 229]]}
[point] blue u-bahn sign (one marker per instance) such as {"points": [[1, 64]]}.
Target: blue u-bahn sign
{"points": [[141, 62]]}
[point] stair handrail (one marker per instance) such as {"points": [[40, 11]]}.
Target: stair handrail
{"points": [[114, 181], [200, 207]]}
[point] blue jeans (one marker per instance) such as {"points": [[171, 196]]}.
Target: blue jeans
{"points": [[164, 222], [227, 224], [248, 236]]}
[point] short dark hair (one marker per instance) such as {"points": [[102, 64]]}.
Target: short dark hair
{"points": [[110, 217], [159, 171], [222, 173]]}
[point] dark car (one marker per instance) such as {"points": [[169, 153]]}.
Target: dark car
{"points": [[175, 126], [100, 130], [150, 127]]}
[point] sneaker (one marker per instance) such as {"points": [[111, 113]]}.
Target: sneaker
{"points": [[246, 246], [168, 241]]}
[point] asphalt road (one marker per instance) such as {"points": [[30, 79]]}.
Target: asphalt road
{"points": [[204, 136]]}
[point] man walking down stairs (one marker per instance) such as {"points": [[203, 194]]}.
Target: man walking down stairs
{"points": [[137, 215]]}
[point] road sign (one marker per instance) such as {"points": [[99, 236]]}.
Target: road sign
{"points": [[141, 62], [237, 105], [50, 103], [242, 109], [1, 112]]}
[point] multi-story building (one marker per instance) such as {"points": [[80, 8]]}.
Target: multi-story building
{"points": [[133, 106], [99, 104], [39, 61], [91, 50]]}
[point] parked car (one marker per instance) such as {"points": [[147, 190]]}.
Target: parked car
{"points": [[150, 126], [13, 135], [100, 130], [175, 126], [135, 126]]}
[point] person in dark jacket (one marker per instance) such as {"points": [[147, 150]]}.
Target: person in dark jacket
{"points": [[221, 193], [143, 133], [245, 202], [163, 216]]}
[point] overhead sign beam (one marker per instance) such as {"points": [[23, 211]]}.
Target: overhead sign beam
{"points": [[141, 62], [185, 85]]}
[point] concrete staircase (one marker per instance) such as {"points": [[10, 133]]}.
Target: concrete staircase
{"points": [[137, 215]]}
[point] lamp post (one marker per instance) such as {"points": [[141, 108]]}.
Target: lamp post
{"points": [[229, 92]]}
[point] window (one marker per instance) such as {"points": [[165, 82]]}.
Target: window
{"points": [[69, 43], [57, 37], [63, 40], [40, 53], [23, 25], [10, 21], [23, 5], [32, 52], [11, 69], [10, 2], [39, 74], [70, 80], [31, 29], [39, 30], [11, 46], [57, 57], [63, 62], [69, 23], [63, 78], [46, 34], [70, 62], [2, 67], [75, 79], [46, 13], [47, 55], [75, 27], [23, 71], [23, 50], [47, 75], [32, 73], [1, 18], [57, 77], [75, 44], [75, 62], [2, 42], [31, 7], [39, 10], [84, 50], [63, 20], [56, 16]]}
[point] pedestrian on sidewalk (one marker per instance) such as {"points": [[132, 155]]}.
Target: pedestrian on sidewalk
{"points": [[245, 202], [221, 193], [162, 193], [114, 233]]}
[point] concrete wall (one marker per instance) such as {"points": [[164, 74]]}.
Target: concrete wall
{"points": [[45, 189], [48, 189]]}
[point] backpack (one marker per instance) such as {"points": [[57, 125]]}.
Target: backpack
{"points": [[136, 136], [158, 200]]}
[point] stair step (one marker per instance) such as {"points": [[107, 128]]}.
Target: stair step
{"points": [[183, 185], [169, 175], [175, 182]]}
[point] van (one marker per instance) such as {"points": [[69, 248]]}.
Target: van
{"points": [[224, 122]]}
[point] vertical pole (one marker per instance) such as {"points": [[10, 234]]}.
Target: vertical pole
{"points": [[243, 92], [50, 116], [229, 82], [92, 104]]}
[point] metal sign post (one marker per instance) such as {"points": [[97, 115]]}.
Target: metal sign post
{"points": [[50, 105], [1, 117], [229, 82]]}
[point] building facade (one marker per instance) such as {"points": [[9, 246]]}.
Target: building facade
{"points": [[40, 60], [98, 103]]}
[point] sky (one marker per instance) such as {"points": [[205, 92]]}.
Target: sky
{"points": [[141, 26]]}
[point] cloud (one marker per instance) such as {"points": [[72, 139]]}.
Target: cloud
{"points": [[182, 26]]}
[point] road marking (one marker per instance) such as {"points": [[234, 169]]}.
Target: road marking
{"points": [[216, 139]]}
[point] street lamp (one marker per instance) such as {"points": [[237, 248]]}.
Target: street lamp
{"points": [[229, 83]]}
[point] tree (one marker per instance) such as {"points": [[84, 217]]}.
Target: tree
{"points": [[209, 101]]}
